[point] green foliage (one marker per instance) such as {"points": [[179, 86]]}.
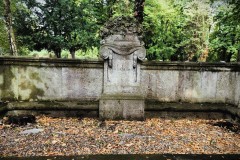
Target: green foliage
{"points": [[4, 43], [106, 9], [42, 53], [90, 53], [176, 30], [225, 39], [162, 29], [198, 22], [56, 25], [24, 51], [123, 8]]}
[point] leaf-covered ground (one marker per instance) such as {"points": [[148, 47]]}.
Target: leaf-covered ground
{"points": [[73, 136]]}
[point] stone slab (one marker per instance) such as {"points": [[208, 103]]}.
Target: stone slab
{"points": [[32, 131], [130, 109]]}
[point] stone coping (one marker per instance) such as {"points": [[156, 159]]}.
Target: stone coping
{"points": [[133, 156], [51, 62], [93, 105], [192, 66], [146, 65]]}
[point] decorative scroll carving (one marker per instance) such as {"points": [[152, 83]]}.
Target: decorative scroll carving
{"points": [[107, 51], [106, 54]]}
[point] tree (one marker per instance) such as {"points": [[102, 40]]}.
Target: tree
{"points": [[177, 30], [57, 25], [26, 26], [9, 27], [163, 29], [225, 38], [198, 22], [82, 25], [174, 30], [4, 45], [139, 10]]}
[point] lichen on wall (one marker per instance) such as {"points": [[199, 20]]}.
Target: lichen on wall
{"points": [[8, 83], [57, 83], [30, 83]]}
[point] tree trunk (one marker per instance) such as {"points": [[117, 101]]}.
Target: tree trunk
{"points": [[228, 57], [238, 56], [57, 52], [223, 54], [8, 22], [72, 52], [138, 10]]}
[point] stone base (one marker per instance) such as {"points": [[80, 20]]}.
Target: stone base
{"points": [[117, 108]]}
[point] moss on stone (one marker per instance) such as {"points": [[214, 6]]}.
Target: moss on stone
{"points": [[30, 84], [35, 76], [8, 77], [34, 90], [24, 85]]}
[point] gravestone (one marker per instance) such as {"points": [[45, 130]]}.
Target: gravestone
{"points": [[122, 49]]}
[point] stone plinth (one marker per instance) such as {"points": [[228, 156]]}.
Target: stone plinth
{"points": [[122, 96], [122, 107]]}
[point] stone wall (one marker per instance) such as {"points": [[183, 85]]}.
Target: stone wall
{"points": [[191, 82], [24, 79], [29, 79]]}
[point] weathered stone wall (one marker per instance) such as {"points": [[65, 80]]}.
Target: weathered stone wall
{"points": [[24, 79], [191, 82]]}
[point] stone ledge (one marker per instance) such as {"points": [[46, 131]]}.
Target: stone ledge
{"points": [[51, 105], [152, 105], [146, 65], [121, 97], [48, 62], [55, 113], [191, 66]]}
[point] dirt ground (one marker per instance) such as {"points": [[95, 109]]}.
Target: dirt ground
{"points": [[79, 136]]}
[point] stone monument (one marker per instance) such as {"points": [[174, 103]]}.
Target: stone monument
{"points": [[122, 49]]}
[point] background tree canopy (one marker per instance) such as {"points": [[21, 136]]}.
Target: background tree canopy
{"points": [[175, 30]]}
